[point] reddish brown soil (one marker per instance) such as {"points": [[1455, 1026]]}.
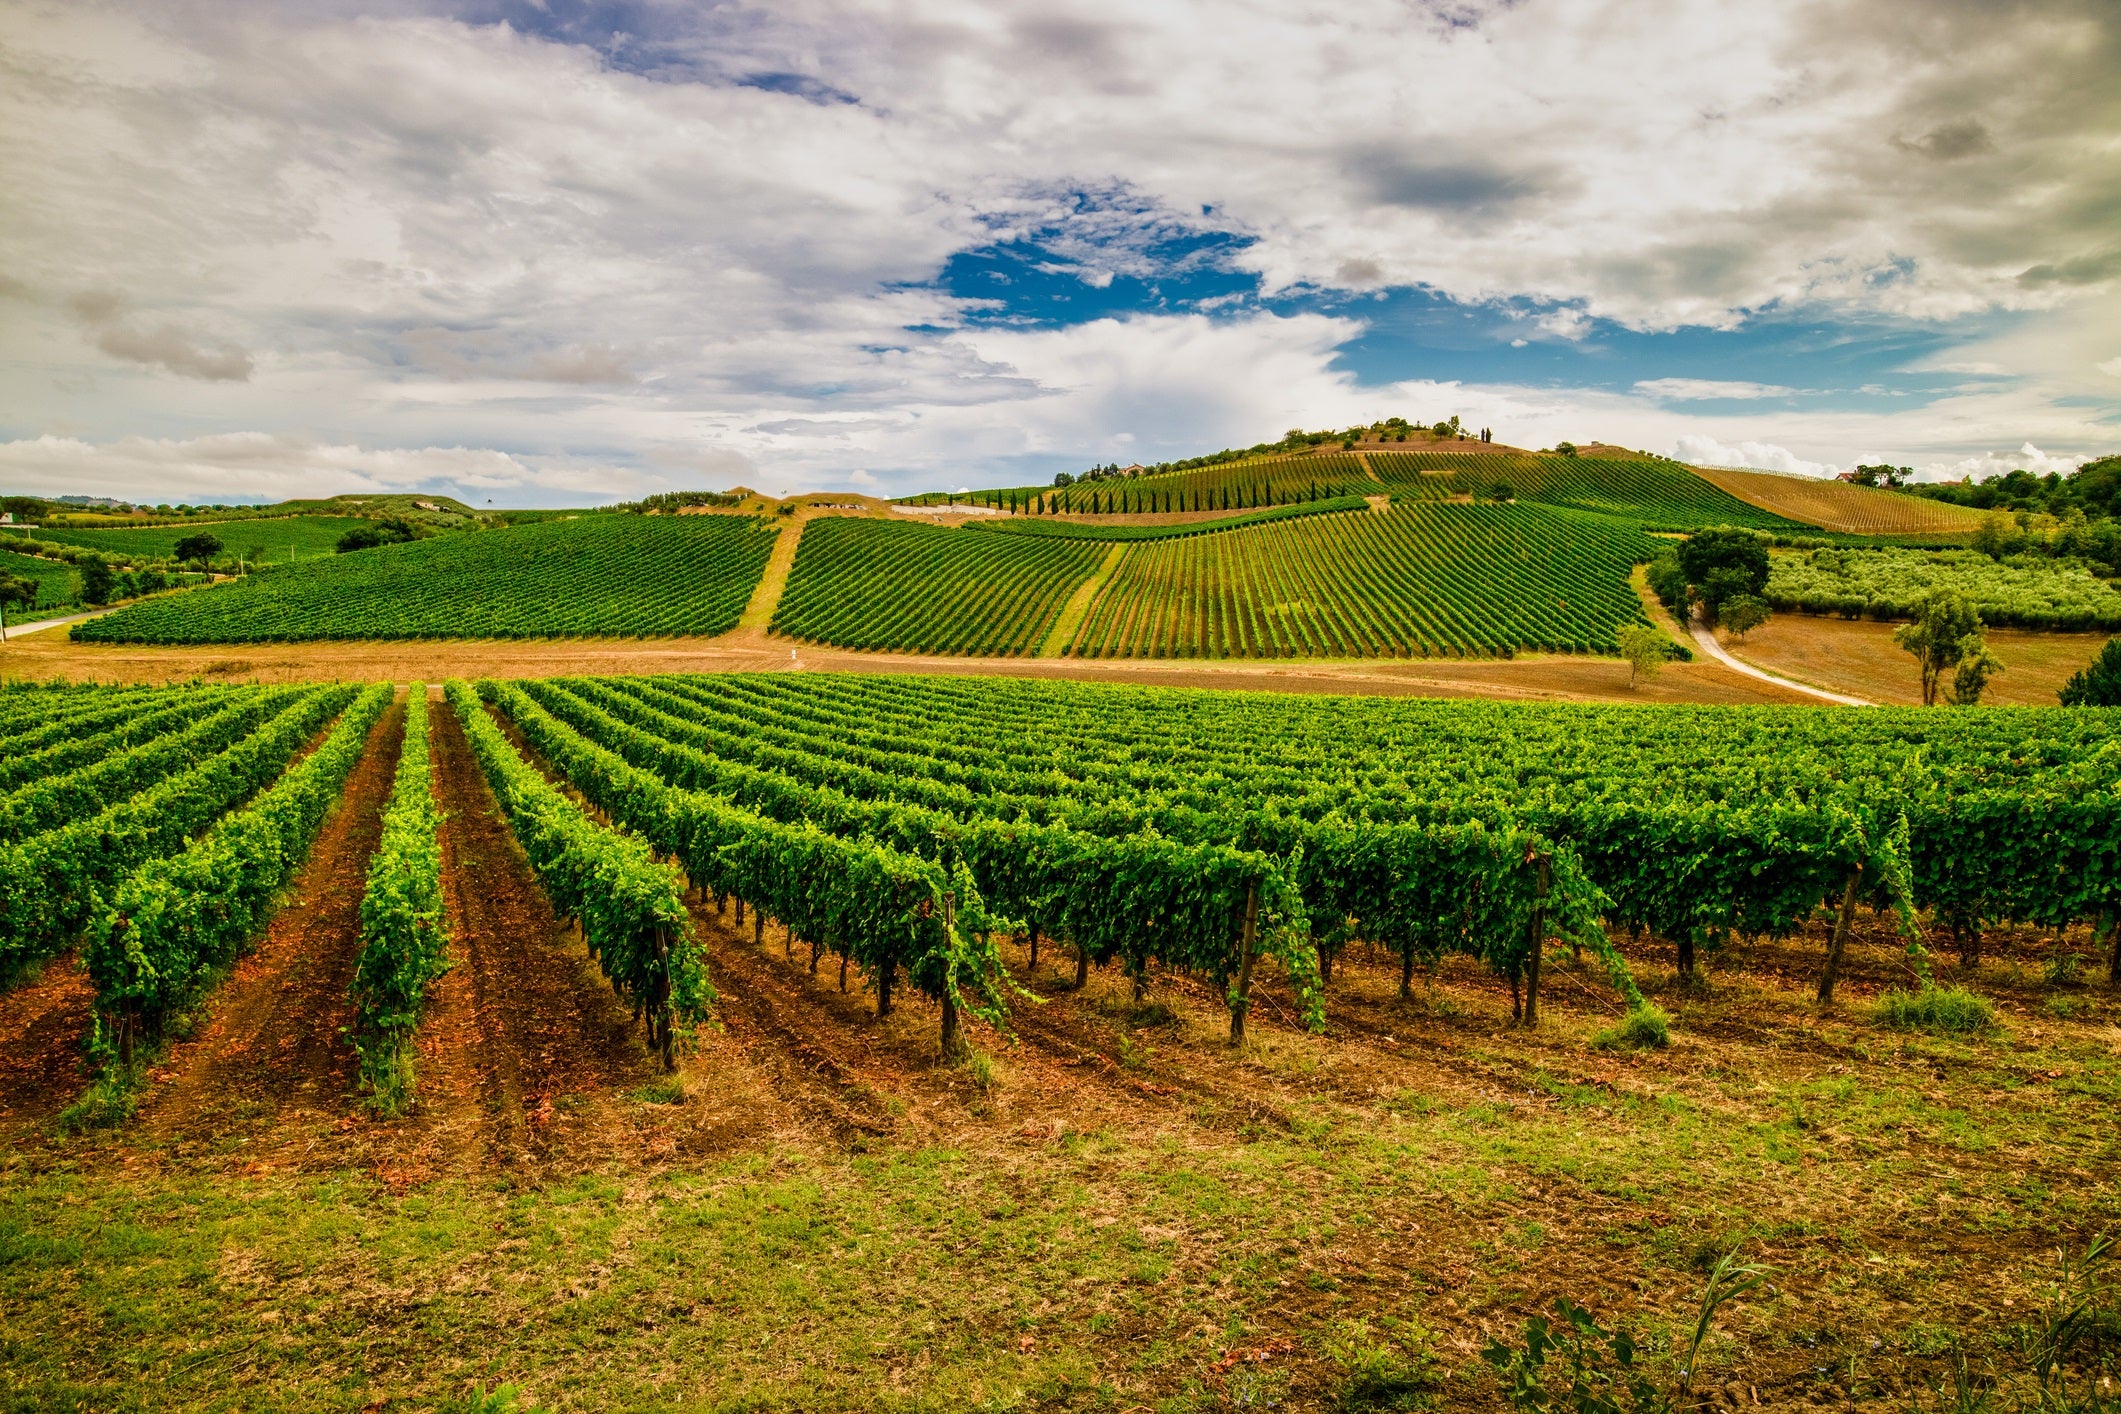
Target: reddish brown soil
{"points": [[42, 1026], [275, 1031], [525, 1051]]}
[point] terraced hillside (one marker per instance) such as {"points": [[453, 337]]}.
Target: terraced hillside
{"points": [[862, 583], [1836, 505], [1418, 579], [1659, 495], [627, 576]]}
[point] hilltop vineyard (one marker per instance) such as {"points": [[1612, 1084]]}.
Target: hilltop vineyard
{"points": [[1415, 580], [1657, 495]]}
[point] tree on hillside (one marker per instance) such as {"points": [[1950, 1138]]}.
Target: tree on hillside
{"points": [[1668, 582], [1946, 629], [1742, 613], [390, 530], [1976, 666], [1880, 475], [98, 584], [1644, 648], [2097, 683], [14, 589], [1722, 565], [199, 547]]}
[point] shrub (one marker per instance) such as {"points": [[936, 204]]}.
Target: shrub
{"points": [[2099, 684], [1939, 1009], [1646, 1028]]}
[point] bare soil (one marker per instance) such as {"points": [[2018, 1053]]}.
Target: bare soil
{"points": [[273, 1038], [1858, 656], [1529, 677], [43, 1022]]}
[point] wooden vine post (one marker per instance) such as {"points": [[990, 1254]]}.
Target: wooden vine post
{"points": [[1847, 915], [1543, 866], [1034, 947], [1242, 1002], [950, 1037], [660, 1029]]}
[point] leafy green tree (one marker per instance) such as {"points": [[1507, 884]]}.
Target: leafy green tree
{"points": [[98, 584], [1998, 535], [1725, 584], [1881, 475], [361, 537], [1939, 638], [1741, 551], [1668, 582], [1742, 613], [1976, 666], [14, 589], [2097, 683], [1644, 649], [198, 547]]}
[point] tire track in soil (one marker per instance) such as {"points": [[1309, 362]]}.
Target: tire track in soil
{"points": [[525, 1049], [43, 1023], [273, 1045]]}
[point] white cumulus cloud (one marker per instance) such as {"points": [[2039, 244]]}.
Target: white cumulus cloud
{"points": [[1758, 456]]}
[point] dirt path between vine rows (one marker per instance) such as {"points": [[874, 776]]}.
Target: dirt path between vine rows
{"points": [[42, 1026], [274, 1037], [525, 1054]]}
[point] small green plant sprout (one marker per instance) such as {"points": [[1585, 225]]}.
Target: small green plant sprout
{"points": [[1577, 1365], [2083, 1314], [1580, 1367], [1728, 1280], [501, 1399], [2066, 970]]}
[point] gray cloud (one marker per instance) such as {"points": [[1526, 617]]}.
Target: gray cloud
{"points": [[167, 345], [1464, 186], [2083, 270], [1949, 142]]}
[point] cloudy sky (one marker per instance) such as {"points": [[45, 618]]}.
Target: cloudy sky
{"points": [[557, 251]]}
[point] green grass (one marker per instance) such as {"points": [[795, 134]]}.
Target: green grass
{"points": [[1414, 581], [1364, 1246], [1659, 495], [1940, 1009], [625, 576], [280, 540], [1646, 1027], [863, 583]]}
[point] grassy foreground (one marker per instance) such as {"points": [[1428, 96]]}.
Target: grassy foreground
{"points": [[1122, 1216]]}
